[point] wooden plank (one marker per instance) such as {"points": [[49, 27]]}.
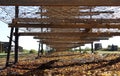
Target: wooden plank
{"points": [[60, 3], [70, 46], [68, 42], [49, 20], [65, 25], [74, 40], [62, 43], [69, 14], [65, 8], [80, 13], [64, 46], [67, 34], [72, 37]]}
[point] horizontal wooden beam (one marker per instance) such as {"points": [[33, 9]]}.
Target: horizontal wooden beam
{"points": [[65, 25], [69, 42], [51, 20], [58, 34], [69, 38], [63, 45], [59, 3], [74, 41], [72, 37], [73, 46], [70, 14], [67, 7], [67, 16], [50, 43], [61, 49], [80, 13]]}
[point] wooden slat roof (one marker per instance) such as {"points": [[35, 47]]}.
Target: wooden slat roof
{"points": [[63, 24]]}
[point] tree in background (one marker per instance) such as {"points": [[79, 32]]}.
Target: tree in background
{"points": [[32, 51]]}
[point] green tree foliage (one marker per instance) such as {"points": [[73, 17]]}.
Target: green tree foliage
{"points": [[32, 51], [25, 51]]}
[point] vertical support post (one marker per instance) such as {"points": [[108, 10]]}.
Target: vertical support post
{"points": [[1, 47], [9, 47], [74, 47], [41, 31], [80, 49], [16, 45], [92, 48], [39, 50], [16, 36]]}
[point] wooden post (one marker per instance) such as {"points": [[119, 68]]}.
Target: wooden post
{"points": [[41, 43], [16, 45], [1, 49], [39, 50], [16, 36], [92, 48], [80, 49], [9, 47], [41, 31]]}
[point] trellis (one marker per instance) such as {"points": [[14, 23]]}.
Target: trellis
{"points": [[62, 24]]}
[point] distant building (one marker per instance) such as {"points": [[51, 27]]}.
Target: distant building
{"points": [[20, 49], [98, 46], [112, 47], [4, 47]]}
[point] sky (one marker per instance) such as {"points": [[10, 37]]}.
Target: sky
{"points": [[27, 42]]}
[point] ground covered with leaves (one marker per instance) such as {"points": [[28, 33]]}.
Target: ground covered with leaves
{"points": [[66, 64]]}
